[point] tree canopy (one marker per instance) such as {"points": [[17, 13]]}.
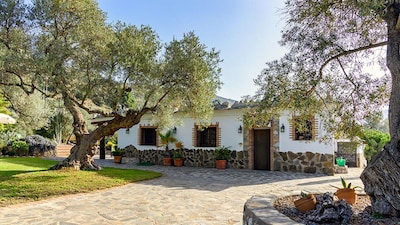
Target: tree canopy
{"points": [[333, 47], [335, 50], [65, 50]]}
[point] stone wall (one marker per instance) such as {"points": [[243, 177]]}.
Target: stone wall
{"points": [[191, 157], [353, 153], [304, 162], [259, 210]]}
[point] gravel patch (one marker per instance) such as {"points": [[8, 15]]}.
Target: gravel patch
{"points": [[362, 211]]}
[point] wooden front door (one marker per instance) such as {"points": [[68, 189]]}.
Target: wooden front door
{"points": [[262, 149]]}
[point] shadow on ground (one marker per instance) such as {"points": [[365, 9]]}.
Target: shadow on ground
{"points": [[211, 179]]}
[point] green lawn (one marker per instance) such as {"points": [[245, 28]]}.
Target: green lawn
{"points": [[27, 179]]}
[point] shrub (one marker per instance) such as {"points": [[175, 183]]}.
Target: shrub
{"points": [[20, 148], [39, 143], [222, 153], [375, 141]]}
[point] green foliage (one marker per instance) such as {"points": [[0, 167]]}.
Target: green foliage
{"points": [[324, 72], [345, 184], [378, 215], [167, 139], [375, 141], [304, 194], [376, 121], [118, 152], [4, 104], [27, 180], [177, 154], [20, 148], [222, 153], [65, 49], [117, 70]]}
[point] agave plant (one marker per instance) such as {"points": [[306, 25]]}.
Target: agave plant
{"points": [[345, 184]]}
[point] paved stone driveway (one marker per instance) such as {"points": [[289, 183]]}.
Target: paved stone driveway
{"points": [[183, 195]]}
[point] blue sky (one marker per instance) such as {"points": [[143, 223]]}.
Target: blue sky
{"points": [[246, 32]]}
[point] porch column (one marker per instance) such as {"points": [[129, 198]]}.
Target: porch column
{"points": [[103, 148]]}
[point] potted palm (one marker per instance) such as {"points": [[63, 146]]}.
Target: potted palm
{"points": [[306, 202], [346, 192], [222, 154], [118, 153], [167, 139]]}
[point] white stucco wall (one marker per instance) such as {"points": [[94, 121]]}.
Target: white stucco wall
{"points": [[287, 144], [229, 122]]}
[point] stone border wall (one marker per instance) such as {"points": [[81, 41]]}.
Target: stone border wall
{"points": [[304, 162], [191, 157], [259, 210]]}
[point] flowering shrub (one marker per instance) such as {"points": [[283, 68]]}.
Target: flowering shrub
{"points": [[39, 143]]}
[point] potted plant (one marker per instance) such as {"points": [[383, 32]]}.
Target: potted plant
{"points": [[306, 202], [167, 139], [178, 158], [118, 153], [178, 145], [222, 154], [346, 192]]}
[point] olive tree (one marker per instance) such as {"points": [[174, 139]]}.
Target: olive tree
{"points": [[64, 50], [335, 50]]}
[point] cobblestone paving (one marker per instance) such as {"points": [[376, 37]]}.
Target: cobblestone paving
{"points": [[183, 195]]}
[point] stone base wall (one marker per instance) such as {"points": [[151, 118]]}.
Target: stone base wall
{"points": [[259, 210], [191, 157], [304, 162]]}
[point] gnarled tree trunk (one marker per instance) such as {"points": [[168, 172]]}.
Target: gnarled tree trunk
{"points": [[382, 175], [81, 155]]}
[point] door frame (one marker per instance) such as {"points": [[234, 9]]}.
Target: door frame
{"points": [[271, 143]]}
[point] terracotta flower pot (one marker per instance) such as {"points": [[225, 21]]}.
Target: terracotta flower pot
{"points": [[167, 161], [117, 158], [220, 164], [348, 194], [178, 162], [305, 204]]}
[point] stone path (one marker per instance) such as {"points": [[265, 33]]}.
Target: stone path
{"points": [[184, 195]]}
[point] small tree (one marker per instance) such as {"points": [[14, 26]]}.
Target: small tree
{"points": [[167, 139]]}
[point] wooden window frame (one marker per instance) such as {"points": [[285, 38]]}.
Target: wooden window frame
{"points": [[140, 136], [314, 128], [195, 135]]}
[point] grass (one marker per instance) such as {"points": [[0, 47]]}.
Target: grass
{"points": [[28, 179]]}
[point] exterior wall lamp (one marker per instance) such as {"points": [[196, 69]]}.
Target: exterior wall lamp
{"points": [[240, 129], [127, 130], [174, 130], [283, 128]]}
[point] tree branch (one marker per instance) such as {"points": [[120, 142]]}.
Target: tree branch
{"points": [[344, 53]]}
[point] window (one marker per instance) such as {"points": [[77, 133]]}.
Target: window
{"points": [[148, 136], [303, 129], [207, 137]]}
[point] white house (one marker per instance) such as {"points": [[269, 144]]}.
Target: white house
{"points": [[276, 146]]}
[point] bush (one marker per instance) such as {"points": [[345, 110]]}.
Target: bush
{"points": [[39, 143], [19, 148], [375, 141]]}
